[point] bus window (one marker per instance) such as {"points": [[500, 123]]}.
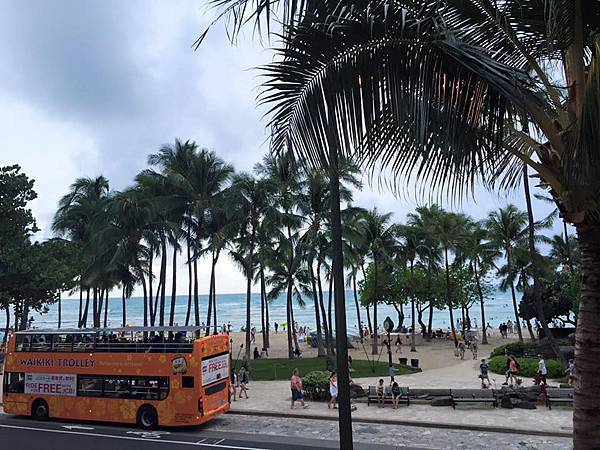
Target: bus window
{"points": [[163, 387], [187, 382], [41, 343], [14, 382], [62, 342], [83, 343], [89, 386], [116, 387], [22, 343]]}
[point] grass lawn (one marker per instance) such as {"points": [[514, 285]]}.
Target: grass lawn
{"points": [[281, 368]]}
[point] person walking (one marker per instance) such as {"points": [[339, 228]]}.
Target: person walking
{"points": [[474, 347], [398, 344], [296, 387], [542, 370], [333, 391], [484, 373], [570, 372], [243, 380], [276, 327], [513, 370]]}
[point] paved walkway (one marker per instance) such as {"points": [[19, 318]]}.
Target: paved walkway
{"points": [[274, 397]]}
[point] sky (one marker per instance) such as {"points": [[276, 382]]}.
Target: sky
{"points": [[91, 87]]}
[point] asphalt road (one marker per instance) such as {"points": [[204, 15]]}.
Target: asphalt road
{"points": [[19, 433]]}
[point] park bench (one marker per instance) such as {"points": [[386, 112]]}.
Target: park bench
{"points": [[559, 396], [464, 396], [387, 395]]}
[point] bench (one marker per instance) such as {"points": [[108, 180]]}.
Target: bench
{"points": [[559, 396], [387, 395], [463, 396]]}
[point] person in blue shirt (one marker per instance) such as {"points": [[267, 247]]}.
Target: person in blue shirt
{"points": [[483, 373]]}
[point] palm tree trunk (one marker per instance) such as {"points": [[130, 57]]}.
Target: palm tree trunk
{"points": [[484, 339], [214, 293], [420, 320], [145, 290], [530, 329], [337, 269], [154, 303], [95, 312], [150, 281], [400, 313], [294, 331], [210, 295], [326, 329], [189, 264], [264, 288], [248, 305], [196, 297], [263, 328], [84, 315], [106, 308], [514, 297], [430, 320], [80, 304], [358, 321], [374, 350], [290, 323], [163, 277], [174, 287], [329, 308], [59, 309], [369, 324], [413, 348], [448, 302], [587, 342], [537, 294], [7, 324], [124, 312], [313, 284]]}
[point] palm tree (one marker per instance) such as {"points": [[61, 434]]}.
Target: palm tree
{"points": [[251, 199], [501, 57], [480, 254], [507, 228], [413, 240], [79, 212], [380, 236], [448, 228]]}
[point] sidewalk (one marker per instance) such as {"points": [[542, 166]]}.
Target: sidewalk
{"points": [[274, 397]]}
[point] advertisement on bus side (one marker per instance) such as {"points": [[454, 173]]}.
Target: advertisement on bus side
{"points": [[51, 384], [215, 368]]}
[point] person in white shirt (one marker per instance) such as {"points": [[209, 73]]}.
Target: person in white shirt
{"points": [[542, 369]]}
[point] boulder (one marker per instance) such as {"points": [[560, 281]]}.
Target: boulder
{"points": [[525, 405], [441, 401], [506, 402], [356, 390]]}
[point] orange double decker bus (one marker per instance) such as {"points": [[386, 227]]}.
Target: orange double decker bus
{"points": [[139, 375]]}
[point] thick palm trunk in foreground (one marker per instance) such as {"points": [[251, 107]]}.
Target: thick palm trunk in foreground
{"points": [[586, 416]]}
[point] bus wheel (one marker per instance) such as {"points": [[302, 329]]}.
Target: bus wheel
{"points": [[147, 418], [39, 410]]}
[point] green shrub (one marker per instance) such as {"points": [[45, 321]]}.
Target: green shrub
{"points": [[515, 348], [316, 384], [528, 367]]}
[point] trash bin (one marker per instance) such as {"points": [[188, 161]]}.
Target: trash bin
{"points": [[414, 363], [403, 361]]}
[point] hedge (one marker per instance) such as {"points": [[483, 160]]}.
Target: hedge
{"points": [[528, 366], [316, 384], [515, 348]]}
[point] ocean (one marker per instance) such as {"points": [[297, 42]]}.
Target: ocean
{"points": [[232, 308]]}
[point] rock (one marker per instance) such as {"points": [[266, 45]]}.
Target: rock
{"points": [[356, 390], [441, 401], [525, 405], [506, 402]]}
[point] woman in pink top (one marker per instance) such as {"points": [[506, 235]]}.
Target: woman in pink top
{"points": [[296, 386], [513, 369]]}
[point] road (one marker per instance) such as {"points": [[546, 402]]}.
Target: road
{"points": [[18, 433]]}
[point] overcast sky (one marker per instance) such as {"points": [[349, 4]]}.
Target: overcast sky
{"points": [[93, 87]]}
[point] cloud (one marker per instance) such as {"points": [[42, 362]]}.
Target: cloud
{"points": [[93, 87]]}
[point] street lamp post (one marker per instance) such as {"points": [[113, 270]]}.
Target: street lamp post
{"points": [[388, 326]]}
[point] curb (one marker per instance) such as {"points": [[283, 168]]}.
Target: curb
{"points": [[413, 423]]}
